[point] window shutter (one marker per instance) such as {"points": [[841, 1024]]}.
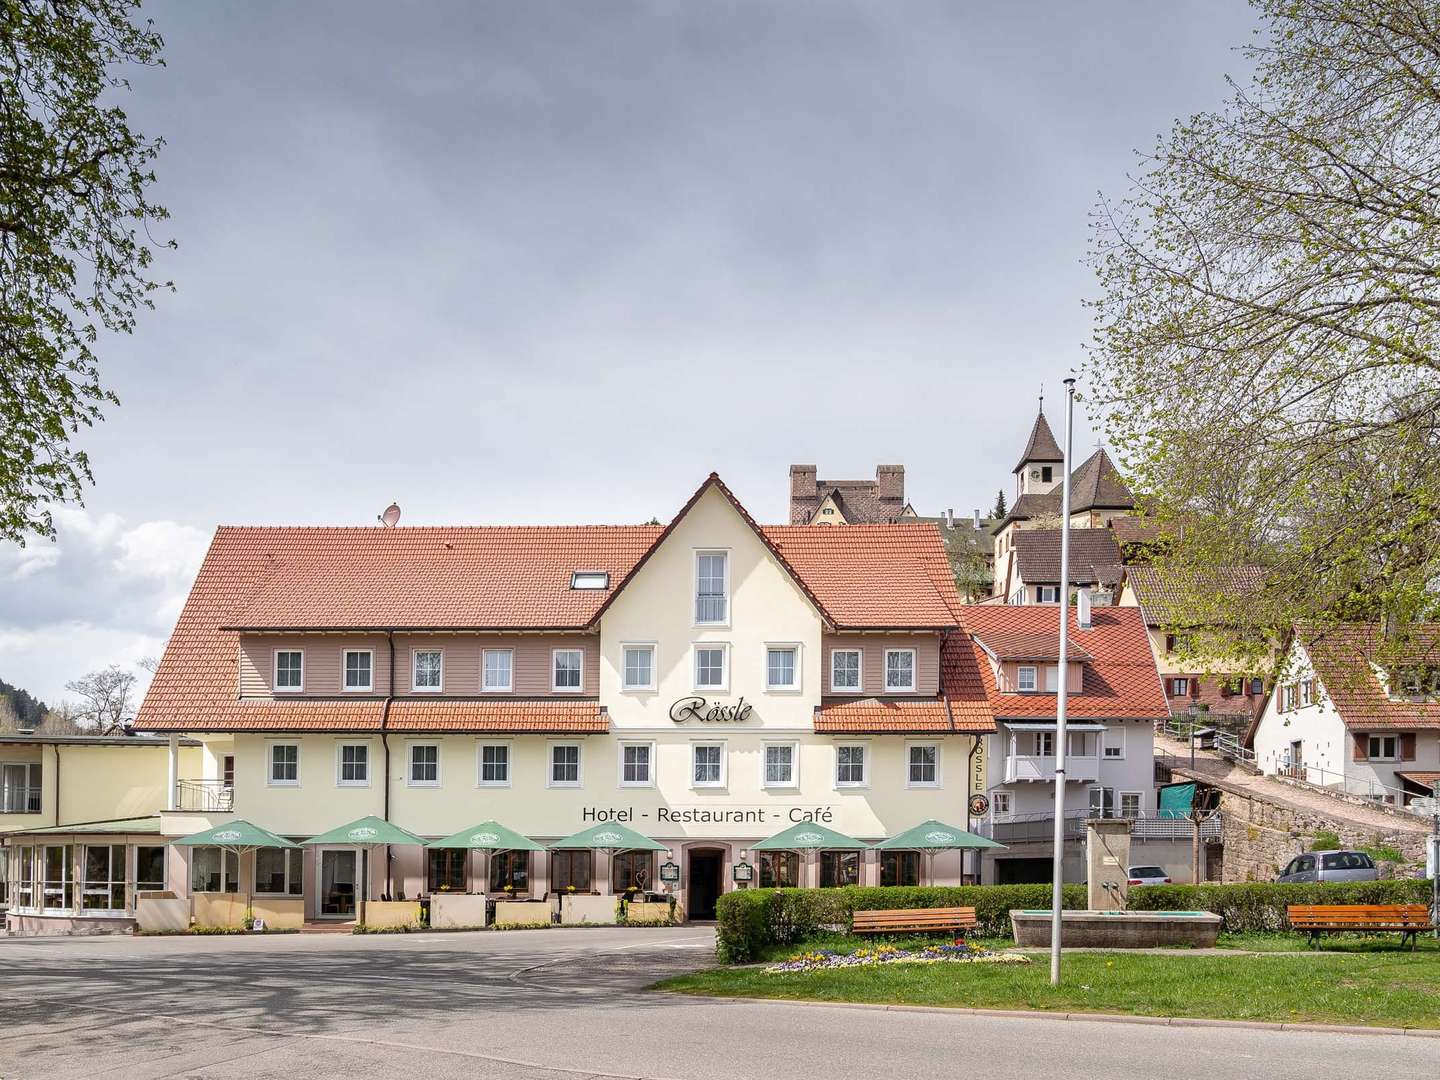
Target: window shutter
{"points": [[1169, 643], [1362, 746], [1407, 746], [1194, 687]]}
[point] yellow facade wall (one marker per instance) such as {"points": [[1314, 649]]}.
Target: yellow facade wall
{"points": [[97, 782]]}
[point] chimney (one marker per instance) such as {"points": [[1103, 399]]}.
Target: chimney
{"points": [[1083, 617], [802, 482], [950, 518], [890, 479], [977, 520]]}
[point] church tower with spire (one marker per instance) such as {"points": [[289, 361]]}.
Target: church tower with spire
{"points": [[1039, 470]]}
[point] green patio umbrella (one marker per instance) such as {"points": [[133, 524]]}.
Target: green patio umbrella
{"points": [[368, 832], [931, 836], [808, 836], [239, 836], [608, 837], [489, 837]]}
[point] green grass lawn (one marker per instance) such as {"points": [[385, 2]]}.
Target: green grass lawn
{"points": [[1376, 985]]}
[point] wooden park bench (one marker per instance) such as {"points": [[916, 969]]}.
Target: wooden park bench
{"points": [[914, 921], [1407, 920]]}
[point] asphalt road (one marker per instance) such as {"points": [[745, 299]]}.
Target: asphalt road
{"points": [[554, 1005]]}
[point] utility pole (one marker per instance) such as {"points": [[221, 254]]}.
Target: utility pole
{"points": [[1435, 856], [1057, 893]]}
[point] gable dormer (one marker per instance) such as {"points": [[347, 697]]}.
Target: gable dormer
{"points": [[1039, 470]]}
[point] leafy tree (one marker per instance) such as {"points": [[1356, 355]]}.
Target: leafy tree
{"points": [[104, 700], [75, 249], [1266, 330], [1000, 509]]}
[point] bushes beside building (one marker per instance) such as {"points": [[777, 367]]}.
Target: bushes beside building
{"points": [[1259, 906], [752, 920]]}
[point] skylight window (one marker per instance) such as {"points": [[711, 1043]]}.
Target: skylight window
{"points": [[590, 579]]}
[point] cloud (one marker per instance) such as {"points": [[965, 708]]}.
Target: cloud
{"points": [[104, 592]]}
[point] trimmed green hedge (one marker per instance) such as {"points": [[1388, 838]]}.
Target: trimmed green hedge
{"points": [[1259, 906], [750, 920]]}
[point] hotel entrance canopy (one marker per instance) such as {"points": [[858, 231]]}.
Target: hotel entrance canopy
{"points": [[809, 836], [608, 836]]}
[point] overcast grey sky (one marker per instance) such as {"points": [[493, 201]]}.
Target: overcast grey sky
{"points": [[551, 262]]}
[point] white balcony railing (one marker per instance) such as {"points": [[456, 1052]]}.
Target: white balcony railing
{"points": [[209, 796], [20, 799], [1020, 767]]}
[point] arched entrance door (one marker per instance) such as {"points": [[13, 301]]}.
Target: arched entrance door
{"points": [[704, 880]]}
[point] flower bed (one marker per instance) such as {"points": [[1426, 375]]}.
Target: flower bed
{"points": [[824, 960]]}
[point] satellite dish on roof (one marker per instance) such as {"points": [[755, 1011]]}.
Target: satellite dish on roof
{"points": [[391, 516]]}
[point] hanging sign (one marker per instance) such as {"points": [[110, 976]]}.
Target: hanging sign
{"points": [[670, 872], [979, 806], [743, 871]]}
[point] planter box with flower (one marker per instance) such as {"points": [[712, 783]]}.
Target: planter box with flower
{"points": [[582, 908]]}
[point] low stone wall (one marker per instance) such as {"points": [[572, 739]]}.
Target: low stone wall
{"points": [[1260, 836], [587, 910], [19, 924], [1122, 930]]}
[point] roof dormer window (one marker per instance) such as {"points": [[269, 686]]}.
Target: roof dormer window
{"points": [[590, 579]]}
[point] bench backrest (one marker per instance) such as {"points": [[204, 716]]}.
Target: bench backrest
{"points": [[1359, 914], [940, 916]]}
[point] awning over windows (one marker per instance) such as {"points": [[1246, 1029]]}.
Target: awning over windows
{"points": [[1050, 725]]}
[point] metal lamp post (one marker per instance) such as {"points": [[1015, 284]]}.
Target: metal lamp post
{"points": [[1057, 894]]}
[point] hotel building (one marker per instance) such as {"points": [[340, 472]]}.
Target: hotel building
{"points": [[707, 684]]}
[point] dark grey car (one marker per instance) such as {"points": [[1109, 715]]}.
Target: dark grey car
{"points": [[1330, 866]]}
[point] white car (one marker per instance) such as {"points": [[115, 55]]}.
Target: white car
{"points": [[1147, 875]]}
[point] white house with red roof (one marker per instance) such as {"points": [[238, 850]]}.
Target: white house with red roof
{"points": [[1114, 699], [1356, 712], [707, 684]]}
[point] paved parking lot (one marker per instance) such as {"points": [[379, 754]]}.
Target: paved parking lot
{"points": [[549, 1005]]}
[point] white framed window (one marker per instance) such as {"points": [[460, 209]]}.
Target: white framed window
{"points": [[1179, 687], [284, 764], [637, 667], [1025, 678], [494, 765], [567, 668], [782, 667], [1000, 804], [637, 764], [1307, 692], [1131, 804], [498, 671], [1384, 747], [424, 770], [359, 674], [352, 765], [707, 765], [899, 671], [214, 869], [712, 588], [922, 765], [1102, 802], [427, 674], [780, 765], [1044, 744], [564, 765], [1047, 594], [850, 765], [102, 881], [845, 668], [590, 579], [711, 667], [1112, 742], [289, 671]]}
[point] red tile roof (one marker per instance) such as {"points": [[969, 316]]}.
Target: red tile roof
{"points": [[1423, 779], [486, 578], [1120, 679], [962, 707], [1008, 645], [555, 717], [1176, 597], [1342, 657]]}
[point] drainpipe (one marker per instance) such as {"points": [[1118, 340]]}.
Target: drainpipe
{"points": [[56, 747], [385, 750]]}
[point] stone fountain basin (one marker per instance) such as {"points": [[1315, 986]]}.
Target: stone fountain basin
{"points": [[1118, 929]]}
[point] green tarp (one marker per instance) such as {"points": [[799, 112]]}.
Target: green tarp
{"points": [[935, 835], [1176, 800], [808, 835], [238, 835], [609, 836], [487, 836], [368, 830]]}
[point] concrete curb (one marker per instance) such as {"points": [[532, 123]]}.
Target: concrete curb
{"points": [[1093, 1018]]}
